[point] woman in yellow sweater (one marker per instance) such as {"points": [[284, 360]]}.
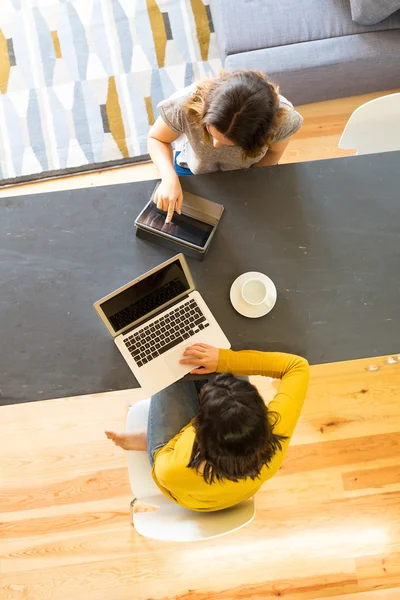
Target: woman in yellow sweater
{"points": [[213, 449]]}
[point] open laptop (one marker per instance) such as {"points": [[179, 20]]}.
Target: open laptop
{"points": [[154, 318]]}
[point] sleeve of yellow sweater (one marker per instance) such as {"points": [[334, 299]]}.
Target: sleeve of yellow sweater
{"points": [[292, 370]]}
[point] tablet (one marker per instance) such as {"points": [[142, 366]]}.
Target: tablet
{"points": [[183, 228]]}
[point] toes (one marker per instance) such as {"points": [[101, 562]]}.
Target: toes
{"points": [[119, 439], [114, 437]]}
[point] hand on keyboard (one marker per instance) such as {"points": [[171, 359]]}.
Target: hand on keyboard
{"points": [[163, 334], [204, 357]]}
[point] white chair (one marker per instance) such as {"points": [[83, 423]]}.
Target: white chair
{"points": [[374, 126], [171, 522]]}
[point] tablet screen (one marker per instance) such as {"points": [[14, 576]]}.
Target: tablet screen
{"points": [[182, 227]]}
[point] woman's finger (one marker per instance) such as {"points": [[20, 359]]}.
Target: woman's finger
{"points": [[191, 361], [171, 208], [198, 347], [194, 352], [179, 204], [201, 371]]}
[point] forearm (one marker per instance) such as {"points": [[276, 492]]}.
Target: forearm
{"points": [[161, 154], [268, 160], [251, 362], [274, 154]]}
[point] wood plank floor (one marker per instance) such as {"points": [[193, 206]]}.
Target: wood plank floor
{"points": [[327, 526]]}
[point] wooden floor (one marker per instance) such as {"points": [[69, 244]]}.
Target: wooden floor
{"points": [[327, 526]]}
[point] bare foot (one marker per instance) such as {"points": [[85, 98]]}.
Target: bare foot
{"points": [[134, 440]]}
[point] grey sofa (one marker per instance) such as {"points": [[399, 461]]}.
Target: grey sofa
{"points": [[311, 48]]}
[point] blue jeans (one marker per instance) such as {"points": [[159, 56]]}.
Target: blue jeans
{"points": [[181, 171], [170, 411]]}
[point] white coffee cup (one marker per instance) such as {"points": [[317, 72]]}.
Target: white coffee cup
{"points": [[255, 292]]}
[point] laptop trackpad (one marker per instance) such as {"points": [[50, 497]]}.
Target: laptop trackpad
{"points": [[173, 364]]}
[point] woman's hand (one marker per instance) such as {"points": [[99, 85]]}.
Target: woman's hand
{"points": [[169, 196], [203, 356]]}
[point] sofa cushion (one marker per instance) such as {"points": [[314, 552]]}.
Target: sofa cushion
{"points": [[243, 25], [369, 12], [327, 69]]}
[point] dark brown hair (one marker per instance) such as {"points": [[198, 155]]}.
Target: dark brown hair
{"points": [[242, 105], [234, 431]]}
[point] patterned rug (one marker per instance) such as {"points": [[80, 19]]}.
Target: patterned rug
{"points": [[80, 79]]}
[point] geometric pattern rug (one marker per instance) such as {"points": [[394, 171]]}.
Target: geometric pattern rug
{"points": [[80, 80]]}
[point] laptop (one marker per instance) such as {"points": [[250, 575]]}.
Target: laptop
{"points": [[154, 318]]}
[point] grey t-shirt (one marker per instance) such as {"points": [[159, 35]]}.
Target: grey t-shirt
{"points": [[204, 158]]}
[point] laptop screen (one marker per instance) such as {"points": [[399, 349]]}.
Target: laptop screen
{"points": [[147, 295]]}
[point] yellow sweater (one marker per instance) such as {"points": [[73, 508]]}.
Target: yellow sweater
{"points": [[187, 487]]}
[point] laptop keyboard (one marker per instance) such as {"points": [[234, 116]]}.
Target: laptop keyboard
{"points": [[166, 332]]}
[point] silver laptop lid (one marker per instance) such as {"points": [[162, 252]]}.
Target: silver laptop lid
{"points": [[145, 296]]}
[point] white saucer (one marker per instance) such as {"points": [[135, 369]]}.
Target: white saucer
{"points": [[253, 312]]}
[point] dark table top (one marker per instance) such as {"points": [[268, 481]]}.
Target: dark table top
{"points": [[326, 232]]}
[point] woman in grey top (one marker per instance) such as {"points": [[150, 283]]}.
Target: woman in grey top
{"points": [[234, 121]]}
